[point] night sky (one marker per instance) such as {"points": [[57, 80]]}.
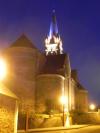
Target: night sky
{"points": [[79, 27]]}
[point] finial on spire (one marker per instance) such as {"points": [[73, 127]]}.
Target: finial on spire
{"points": [[53, 25], [53, 10], [53, 17]]}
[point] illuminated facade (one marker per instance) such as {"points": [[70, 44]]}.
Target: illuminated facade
{"points": [[39, 80]]}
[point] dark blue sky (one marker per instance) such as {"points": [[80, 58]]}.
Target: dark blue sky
{"points": [[79, 27]]}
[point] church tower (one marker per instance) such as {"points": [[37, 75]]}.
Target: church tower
{"points": [[53, 42]]}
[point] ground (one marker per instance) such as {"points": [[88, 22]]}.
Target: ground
{"points": [[81, 129]]}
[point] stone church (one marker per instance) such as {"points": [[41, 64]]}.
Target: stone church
{"points": [[39, 79]]}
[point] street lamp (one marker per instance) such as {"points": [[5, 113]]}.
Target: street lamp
{"points": [[3, 70], [63, 101], [92, 107]]}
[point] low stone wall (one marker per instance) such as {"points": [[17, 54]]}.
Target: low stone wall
{"points": [[7, 114], [86, 118], [39, 121]]}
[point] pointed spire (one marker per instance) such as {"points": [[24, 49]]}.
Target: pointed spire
{"points": [[53, 25], [53, 42], [53, 17]]}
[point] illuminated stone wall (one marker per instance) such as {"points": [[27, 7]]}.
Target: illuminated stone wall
{"points": [[82, 101], [7, 114], [80, 96], [24, 64], [48, 92], [35, 92]]}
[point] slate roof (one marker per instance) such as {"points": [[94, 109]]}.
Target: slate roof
{"points": [[74, 76], [80, 87], [23, 41]]}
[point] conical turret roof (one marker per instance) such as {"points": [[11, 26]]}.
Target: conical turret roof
{"points": [[23, 41]]}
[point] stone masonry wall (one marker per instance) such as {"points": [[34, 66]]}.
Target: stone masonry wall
{"points": [[7, 114], [24, 64], [48, 92], [82, 101]]}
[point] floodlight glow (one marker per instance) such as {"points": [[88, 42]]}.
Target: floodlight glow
{"points": [[3, 69], [63, 99], [55, 46], [53, 42], [92, 106]]}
